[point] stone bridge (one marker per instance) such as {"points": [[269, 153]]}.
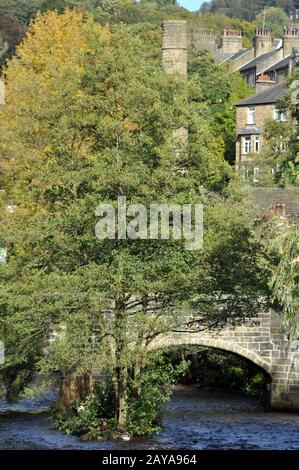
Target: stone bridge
{"points": [[262, 341]]}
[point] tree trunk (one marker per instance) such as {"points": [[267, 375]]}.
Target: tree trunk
{"points": [[75, 387], [122, 398], [121, 367]]}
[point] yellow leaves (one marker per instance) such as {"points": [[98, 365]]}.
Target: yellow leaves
{"points": [[55, 44], [131, 126]]}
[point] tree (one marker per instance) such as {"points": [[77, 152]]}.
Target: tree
{"points": [[11, 34], [281, 240], [284, 280], [247, 10], [90, 117], [280, 152], [160, 3], [219, 89], [273, 18]]}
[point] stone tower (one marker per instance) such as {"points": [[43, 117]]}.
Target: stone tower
{"points": [[263, 41], [174, 60], [232, 41], [290, 39], [174, 47]]}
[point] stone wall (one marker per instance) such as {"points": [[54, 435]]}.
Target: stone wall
{"points": [[242, 60], [266, 61], [263, 341], [174, 47], [262, 112]]}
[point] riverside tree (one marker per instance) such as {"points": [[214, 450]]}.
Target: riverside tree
{"points": [[88, 118]]}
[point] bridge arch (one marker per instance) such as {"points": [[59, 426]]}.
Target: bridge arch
{"points": [[264, 341], [215, 343]]}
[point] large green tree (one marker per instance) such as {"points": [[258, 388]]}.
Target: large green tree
{"points": [[246, 10], [281, 150], [273, 18], [89, 117]]}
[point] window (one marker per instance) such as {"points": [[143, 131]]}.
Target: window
{"points": [[251, 116], [246, 145], [280, 115], [257, 144]]}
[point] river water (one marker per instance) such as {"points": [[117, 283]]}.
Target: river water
{"points": [[193, 419]]}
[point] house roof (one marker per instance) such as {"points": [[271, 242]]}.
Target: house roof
{"points": [[265, 198], [253, 63], [236, 55], [249, 131], [268, 96], [279, 65]]}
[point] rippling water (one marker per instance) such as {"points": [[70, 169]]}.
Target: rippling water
{"points": [[193, 419]]}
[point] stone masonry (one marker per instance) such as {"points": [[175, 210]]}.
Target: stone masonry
{"points": [[263, 341], [175, 60], [262, 113], [174, 47]]}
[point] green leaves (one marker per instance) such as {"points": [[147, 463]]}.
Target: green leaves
{"points": [[284, 281], [90, 117]]}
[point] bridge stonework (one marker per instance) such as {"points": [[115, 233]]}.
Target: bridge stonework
{"points": [[262, 340]]}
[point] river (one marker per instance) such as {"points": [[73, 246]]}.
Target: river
{"points": [[193, 419]]}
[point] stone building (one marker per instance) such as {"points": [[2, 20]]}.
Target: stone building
{"points": [[274, 57], [252, 113]]}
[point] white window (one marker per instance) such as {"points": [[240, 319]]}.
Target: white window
{"points": [[246, 144], [279, 115], [257, 144], [250, 116]]}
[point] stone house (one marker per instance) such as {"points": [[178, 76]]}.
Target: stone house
{"points": [[276, 57], [252, 113]]}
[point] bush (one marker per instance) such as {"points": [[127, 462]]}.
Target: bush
{"points": [[92, 414], [147, 393]]}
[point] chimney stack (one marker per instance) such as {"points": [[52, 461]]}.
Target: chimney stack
{"points": [[174, 47], [262, 42], [204, 38], [232, 41], [263, 82], [175, 60], [290, 39], [280, 210]]}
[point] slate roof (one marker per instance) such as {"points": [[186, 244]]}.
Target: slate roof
{"points": [[279, 65], [268, 96], [237, 55], [265, 198], [250, 131], [253, 63]]}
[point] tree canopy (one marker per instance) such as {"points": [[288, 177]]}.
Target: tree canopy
{"points": [[245, 10], [90, 116]]}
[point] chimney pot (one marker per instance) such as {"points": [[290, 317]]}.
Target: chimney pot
{"points": [[280, 210], [263, 82]]}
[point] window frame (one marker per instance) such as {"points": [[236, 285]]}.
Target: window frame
{"points": [[246, 145], [280, 116], [251, 115]]}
